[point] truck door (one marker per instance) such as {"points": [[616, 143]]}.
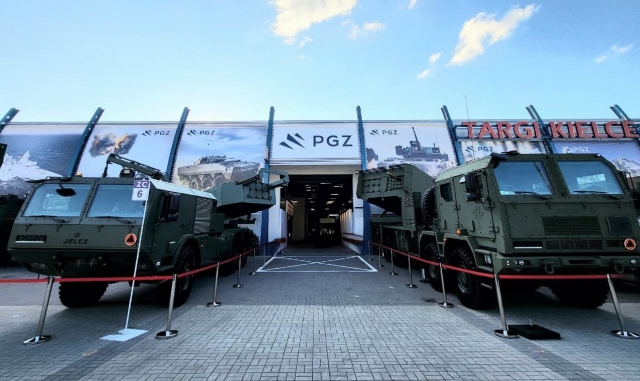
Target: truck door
{"points": [[165, 225], [474, 210]]}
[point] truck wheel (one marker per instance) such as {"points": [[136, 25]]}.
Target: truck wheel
{"points": [[585, 294], [469, 287], [428, 205], [81, 294], [433, 272], [184, 285]]}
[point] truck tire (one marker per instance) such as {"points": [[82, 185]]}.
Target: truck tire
{"points": [[185, 263], [428, 205], [433, 272], [469, 287], [81, 294], [584, 294]]}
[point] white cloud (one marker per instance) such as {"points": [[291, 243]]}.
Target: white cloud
{"points": [[616, 50], [302, 56], [294, 16], [600, 58], [484, 26], [424, 74], [412, 3], [434, 57], [304, 41], [621, 49], [367, 27]]}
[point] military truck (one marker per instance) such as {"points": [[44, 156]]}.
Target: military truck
{"points": [[91, 227], [510, 213]]}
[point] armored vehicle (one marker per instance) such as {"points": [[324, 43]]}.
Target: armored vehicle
{"points": [[527, 214], [416, 151], [209, 171], [91, 227]]}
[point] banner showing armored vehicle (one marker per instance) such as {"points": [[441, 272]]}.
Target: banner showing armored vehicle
{"points": [[476, 149], [92, 226], [149, 143], [426, 145], [213, 154], [519, 214]]}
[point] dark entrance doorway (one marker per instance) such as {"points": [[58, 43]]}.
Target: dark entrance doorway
{"points": [[318, 202]]}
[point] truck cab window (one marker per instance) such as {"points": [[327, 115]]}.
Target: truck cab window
{"points": [[113, 200], [521, 178], [446, 193], [47, 202], [170, 207], [589, 177]]}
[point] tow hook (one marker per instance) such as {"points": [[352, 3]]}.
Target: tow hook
{"points": [[617, 266], [547, 265]]}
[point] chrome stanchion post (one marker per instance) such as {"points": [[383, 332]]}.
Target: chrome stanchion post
{"points": [[504, 332], [393, 267], [215, 303], [238, 285], [410, 285], [380, 256], [369, 243], [253, 264], [444, 291], [170, 333], [264, 255], [622, 333], [39, 337]]}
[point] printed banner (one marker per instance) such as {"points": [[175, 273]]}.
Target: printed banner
{"points": [[426, 145], [625, 155], [475, 149], [315, 144], [148, 144], [36, 151], [212, 154]]}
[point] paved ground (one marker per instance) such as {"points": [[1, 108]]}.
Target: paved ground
{"points": [[312, 315]]}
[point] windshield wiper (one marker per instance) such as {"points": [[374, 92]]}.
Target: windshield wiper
{"points": [[56, 219], [532, 193], [119, 219], [604, 193]]}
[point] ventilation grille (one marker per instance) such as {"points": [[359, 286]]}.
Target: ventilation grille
{"points": [[615, 243], [571, 225], [567, 244]]}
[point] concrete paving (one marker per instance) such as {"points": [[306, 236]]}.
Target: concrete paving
{"points": [[312, 315]]}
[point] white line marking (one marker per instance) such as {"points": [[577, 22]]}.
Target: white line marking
{"points": [[370, 269]]}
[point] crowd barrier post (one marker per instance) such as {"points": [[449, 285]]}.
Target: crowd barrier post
{"points": [[369, 243], [39, 337], [170, 333], [410, 284], [238, 285], [215, 303], [253, 263], [264, 255], [622, 333], [444, 304], [380, 256], [504, 332], [393, 267]]}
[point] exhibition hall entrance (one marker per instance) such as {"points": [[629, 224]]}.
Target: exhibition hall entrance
{"points": [[315, 204]]}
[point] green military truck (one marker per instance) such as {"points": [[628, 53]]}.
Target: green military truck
{"points": [[91, 227], [526, 214]]}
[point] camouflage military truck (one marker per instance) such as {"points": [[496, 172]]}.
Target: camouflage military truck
{"points": [[9, 206], [91, 227], [528, 214]]}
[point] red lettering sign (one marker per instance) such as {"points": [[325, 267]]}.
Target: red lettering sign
{"points": [[559, 130]]}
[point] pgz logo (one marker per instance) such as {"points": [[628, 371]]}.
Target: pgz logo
{"points": [[201, 132], [384, 132], [149, 133], [332, 140]]}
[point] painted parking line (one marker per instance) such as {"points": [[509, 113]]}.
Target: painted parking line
{"points": [[277, 264]]}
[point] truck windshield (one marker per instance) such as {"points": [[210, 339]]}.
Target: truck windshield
{"points": [[590, 177], [113, 200], [62, 200], [522, 178]]}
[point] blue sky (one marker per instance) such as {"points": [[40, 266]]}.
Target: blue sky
{"points": [[318, 59]]}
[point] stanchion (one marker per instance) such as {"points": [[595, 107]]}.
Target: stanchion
{"points": [[169, 333], [444, 291], [622, 333], [253, 263], [504, 332], [264, 255], [393, 267], [410, 285], [380, 256], [215, 303], [238, 285], [369, 243], [39, 337]]}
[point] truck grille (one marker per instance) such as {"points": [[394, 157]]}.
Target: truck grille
{"points": [[567, 244], [615, 243], [571, 225]]}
